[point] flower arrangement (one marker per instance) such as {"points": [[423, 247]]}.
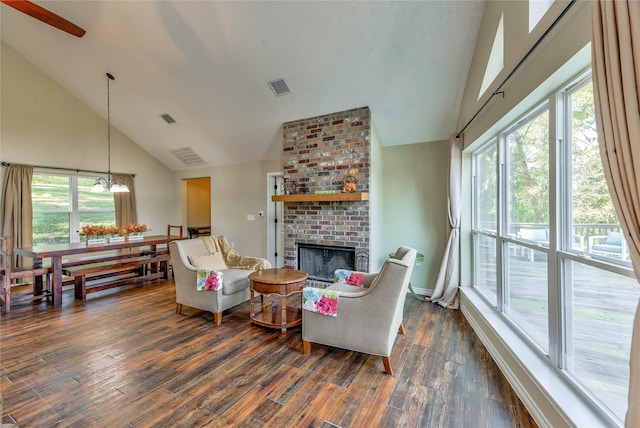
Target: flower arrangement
{"points": [[98, 233], [133, 228], [98, 230], [350, 181]]}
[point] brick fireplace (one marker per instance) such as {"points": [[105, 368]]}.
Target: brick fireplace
{"points": [[318, 152]]}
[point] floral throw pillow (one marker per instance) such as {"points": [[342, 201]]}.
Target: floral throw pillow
{"points": [[349, 277], [208, 280], [320, 300]]}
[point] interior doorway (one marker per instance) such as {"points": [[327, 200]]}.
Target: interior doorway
{"points": [[275, 222], [198, 206]]}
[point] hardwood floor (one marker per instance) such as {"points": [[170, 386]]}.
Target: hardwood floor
{"points": [[124, 358]]}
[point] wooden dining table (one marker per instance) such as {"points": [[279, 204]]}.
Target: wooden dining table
{"points": [[58, 251]]}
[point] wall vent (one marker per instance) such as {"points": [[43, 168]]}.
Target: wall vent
{"points": [[279, 87], [167, 118], [187, 156]]}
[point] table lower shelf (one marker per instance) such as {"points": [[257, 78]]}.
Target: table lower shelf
{"points": [[266, 316]]}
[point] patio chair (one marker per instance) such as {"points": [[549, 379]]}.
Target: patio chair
{"points": [[612, 244], [540, 236]]}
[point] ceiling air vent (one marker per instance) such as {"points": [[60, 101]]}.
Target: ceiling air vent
{"points": [[167, 118], [188, 157], [279, 87]]}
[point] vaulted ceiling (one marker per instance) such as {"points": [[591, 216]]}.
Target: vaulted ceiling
{"points": [[207, 64]]}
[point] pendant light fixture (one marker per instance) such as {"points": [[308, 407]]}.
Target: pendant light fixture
{"points": [[109, 184]]}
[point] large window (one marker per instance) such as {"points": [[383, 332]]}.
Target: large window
{"points": [[62, 204], [548, 251]]}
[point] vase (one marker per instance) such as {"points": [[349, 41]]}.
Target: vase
{"points": [[350, 184], [136, 236]]}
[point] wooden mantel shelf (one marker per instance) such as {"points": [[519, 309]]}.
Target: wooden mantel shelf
{"points": [[321, 197]]}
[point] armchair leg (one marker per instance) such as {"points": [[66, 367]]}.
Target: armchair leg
{"points": [[401, 328], [7, 296], [387, 365], [306, 347], [178, 308], [218, 317]]}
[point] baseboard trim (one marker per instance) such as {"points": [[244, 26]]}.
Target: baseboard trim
{"points": [[550, 398], [422, 291]]}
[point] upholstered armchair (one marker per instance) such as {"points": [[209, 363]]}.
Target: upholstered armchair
{"points": [[186, 256], [368, 318]]}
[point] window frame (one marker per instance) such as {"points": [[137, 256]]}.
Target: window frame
{"points": [[560, 249], [74, 211]]}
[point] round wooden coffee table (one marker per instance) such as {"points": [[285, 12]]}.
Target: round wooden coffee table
{"points": [[283, 282]]}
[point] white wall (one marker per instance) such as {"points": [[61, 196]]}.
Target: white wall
{"points": [[571, 35], [415, 204], [377, 249], [43, 124], [236, 192]]}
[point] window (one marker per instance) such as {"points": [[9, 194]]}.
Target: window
{"points": [[486, 206], [496, 58], [62, 204], [537, 9], [553, 261]]}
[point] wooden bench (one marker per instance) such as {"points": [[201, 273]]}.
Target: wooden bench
{"points": [[101, 273]]}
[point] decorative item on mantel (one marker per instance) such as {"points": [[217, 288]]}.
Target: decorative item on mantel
{"points": [[285, 186], [134, 231], [350, 181]]}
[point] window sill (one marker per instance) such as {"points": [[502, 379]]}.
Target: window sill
{"points": [[550, 398]]}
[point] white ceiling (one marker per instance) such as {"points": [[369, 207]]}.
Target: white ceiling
{"points": [[207, 64]]}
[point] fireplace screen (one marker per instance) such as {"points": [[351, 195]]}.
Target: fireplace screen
{"points": [[320, 261]]}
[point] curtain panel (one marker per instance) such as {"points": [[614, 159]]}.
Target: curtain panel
{"points": [[445, 291], [17, 211], [125, 203], [616, 83]]}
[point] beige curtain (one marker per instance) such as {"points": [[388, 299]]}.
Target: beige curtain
{"points": [[17, 212], [125, 203], [445, 291], [616, 82]]}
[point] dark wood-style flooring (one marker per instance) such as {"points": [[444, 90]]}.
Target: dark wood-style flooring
{"points": [[124, 358]]}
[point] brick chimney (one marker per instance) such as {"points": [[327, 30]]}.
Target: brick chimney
{"points": [[318, 152]]}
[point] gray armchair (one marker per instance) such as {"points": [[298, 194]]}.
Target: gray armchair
{"points": [[368, 318], [235, 287]]}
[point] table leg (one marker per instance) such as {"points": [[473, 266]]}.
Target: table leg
{"points": [[284, 314], [252, 309], [56, 283], [37, 282]]}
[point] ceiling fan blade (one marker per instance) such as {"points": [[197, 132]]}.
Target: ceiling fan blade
{"points": [[45, 16]]}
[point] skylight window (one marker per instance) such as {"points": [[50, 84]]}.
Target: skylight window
{"points": [[496, 58], [537, 9]]}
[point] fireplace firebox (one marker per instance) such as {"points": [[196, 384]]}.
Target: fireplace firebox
{"points": [[320, 261]]}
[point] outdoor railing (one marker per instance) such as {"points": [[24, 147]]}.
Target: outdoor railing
{"points": [[580, 231]]}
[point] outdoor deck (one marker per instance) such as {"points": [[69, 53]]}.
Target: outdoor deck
{"points": [[602, 307]]}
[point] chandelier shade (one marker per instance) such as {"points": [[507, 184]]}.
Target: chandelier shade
{"points": [[109, 184]]}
